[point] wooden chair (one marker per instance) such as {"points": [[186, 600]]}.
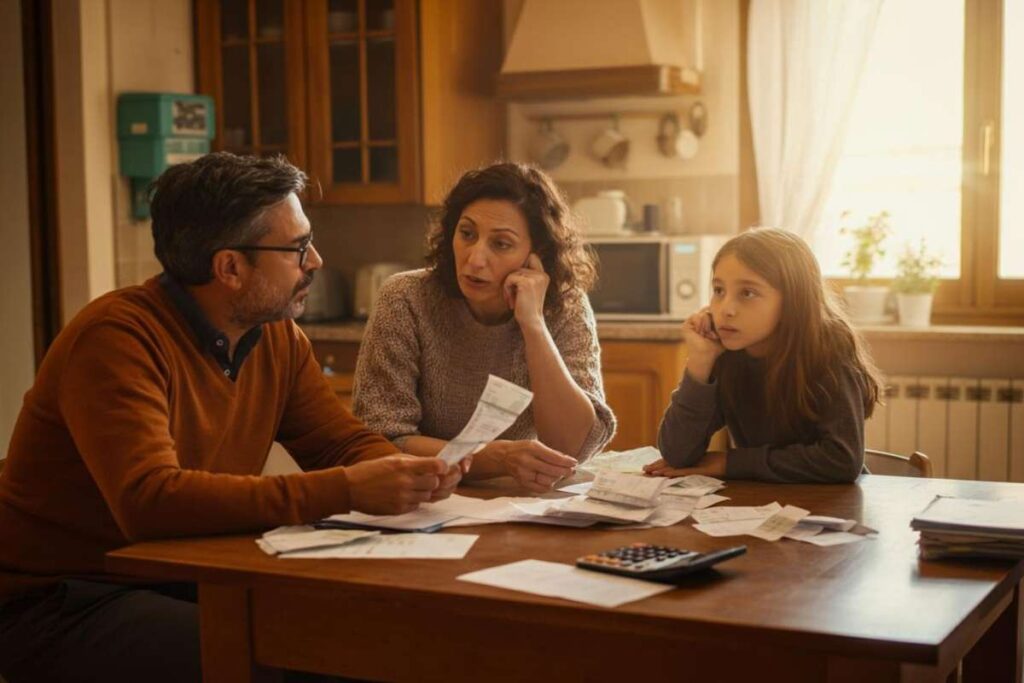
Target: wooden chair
{"points": [[881, 462]]}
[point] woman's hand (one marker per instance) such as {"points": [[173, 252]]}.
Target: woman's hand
{"points": [[711, 465], [533, 465], [524, 291], [702, 344]]}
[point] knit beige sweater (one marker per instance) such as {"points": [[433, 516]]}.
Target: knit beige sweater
{"points": [[425, 359]]}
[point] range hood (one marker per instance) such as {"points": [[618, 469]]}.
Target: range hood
{"points": [[570, 49]]}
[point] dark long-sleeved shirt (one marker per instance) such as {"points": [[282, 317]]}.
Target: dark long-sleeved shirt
{"points": [[829, 450]]}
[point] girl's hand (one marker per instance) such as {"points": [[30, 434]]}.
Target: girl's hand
{"points": [[711, 465], [702, 344], [524, 291], [533, 465]]}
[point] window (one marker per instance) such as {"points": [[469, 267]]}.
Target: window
{"points": [[924, 144]]}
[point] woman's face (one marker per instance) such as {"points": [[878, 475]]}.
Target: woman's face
{"points": [[491, 240], [745, 308]]}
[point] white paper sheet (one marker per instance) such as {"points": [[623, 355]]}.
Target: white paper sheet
{"points": [[709, 500], [397, 546], [557, 580], [830, 523], [422, 518], [776, 526], [631, 461], [721, 529], [288, 539], [500, 404], [803, 531], [735, 513], [829, 538], [582, 507], [627, 489], [580, 489]]}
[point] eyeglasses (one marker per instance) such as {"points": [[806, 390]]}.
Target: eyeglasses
{"points": [[301, 251]]}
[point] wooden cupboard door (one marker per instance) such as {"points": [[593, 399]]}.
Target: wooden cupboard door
{"points": [[638, 380], [363, 99], [250, 56]]}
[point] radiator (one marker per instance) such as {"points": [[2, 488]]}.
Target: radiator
{"points": [[969, 428]]}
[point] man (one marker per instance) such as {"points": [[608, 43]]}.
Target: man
{"points": [[151, 417]]}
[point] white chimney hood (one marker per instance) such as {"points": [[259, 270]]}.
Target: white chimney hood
{"points": [[566, 49]]}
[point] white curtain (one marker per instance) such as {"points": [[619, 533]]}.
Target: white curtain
{"points": [[804, 62]]}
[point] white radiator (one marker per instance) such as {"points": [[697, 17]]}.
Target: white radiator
{"points": [[969, 428]]}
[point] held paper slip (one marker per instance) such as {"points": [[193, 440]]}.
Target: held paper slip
{"points": [[556, 580], [290, 539], [397, 546], [500, 404]]}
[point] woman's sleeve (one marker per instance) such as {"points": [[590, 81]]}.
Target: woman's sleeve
{"points": [[691, 419], [576, 340], [387, 371], [835, 456]]}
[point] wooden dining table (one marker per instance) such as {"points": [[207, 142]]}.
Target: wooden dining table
{"points": [[784, 611]]}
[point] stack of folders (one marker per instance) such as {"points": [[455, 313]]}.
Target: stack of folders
{"points": [[967, 527]]}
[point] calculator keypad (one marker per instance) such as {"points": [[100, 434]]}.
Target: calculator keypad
{"points": [[640, 557]]}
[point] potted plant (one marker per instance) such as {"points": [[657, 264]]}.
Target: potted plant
{"points": [[866, 302], [916, 280]]}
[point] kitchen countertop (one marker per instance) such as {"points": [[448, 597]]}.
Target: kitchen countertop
{"points": [[607, 330]]}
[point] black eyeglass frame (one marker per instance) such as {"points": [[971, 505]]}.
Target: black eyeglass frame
{"points": [[301, 251]]}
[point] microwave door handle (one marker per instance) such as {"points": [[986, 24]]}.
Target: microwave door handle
{"points": [[663, 289]]}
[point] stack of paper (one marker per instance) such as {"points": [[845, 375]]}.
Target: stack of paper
{"points": [[293, 539], [965, 527]]}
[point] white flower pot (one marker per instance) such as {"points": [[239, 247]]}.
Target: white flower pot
{"points": [[915, 309], [866, 304]]}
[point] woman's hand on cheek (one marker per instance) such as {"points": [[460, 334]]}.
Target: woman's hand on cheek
{"points": [[525, 289]]}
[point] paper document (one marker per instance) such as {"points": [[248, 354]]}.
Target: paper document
{"points": [[694, 485], [628, 489], [398, 546], [289, 539], [557, 580], [425, 519], [500, 404], [735, 513], [598, 510], [828, 538], [631, 461], [776, 526]]}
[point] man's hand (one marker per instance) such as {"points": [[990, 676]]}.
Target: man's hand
{"points": [[711, 465], [452, 479], [394, 484]]}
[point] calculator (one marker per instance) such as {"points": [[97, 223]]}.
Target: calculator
{"points": [[655, 562]]}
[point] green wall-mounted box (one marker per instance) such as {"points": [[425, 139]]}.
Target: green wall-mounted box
{"points": [[157, 130]]}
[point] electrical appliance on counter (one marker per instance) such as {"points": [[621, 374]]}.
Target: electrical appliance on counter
{"points": [[656, 277], [326, 299], [369, 279]]}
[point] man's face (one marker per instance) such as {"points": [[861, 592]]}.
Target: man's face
{"points": [[277, 285]]}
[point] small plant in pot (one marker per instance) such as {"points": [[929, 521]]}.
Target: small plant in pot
{"points": [[916, 280], [866, 302]]}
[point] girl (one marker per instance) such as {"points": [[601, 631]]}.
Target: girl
{"points": [[774, 359]]}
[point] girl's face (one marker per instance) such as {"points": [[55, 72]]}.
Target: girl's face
{"points": [[745, 308], [491, 240]]}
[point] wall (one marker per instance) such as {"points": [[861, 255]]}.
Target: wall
{"points": [[709, 184], [17, 362], [103, 48]]}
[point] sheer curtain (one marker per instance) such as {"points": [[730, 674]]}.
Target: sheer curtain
{"points": [[804, 63]]}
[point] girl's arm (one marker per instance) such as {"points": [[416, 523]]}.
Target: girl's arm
{"points": [[691, 419], [836, 455]]}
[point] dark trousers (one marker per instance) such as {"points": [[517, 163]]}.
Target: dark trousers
{"points": [[81, 631]]}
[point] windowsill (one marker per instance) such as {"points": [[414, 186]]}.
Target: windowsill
{"points": [[958, 333]]}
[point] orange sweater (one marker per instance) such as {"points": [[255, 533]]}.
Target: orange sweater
{"points": [[131, 431]]}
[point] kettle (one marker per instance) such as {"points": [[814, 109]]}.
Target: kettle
{"points": [[606, 213], [369, 279]]}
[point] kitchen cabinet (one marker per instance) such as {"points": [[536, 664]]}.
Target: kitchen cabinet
{"points": [[381, 101], [639, 378]]}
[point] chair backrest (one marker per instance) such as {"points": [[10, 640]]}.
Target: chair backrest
{"points": [[881, 462]]}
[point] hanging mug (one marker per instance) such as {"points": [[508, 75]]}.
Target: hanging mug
{"points": [[673, 142], [611, 147]]}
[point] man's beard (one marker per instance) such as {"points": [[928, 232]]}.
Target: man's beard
{"points": [[261, 304]]}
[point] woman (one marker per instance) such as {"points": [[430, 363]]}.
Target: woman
{"points": [[504, 294]]}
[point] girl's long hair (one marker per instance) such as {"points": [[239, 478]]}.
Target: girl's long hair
{"points": [[813, 344]]}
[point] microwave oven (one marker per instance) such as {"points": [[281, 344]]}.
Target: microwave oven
{"points": [[653, 277]]}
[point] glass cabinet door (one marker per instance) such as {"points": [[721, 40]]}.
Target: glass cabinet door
{"points": [[362, 79], [251, 63]]}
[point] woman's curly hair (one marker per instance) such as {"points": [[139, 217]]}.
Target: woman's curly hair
{"points": [[554, 234]]}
